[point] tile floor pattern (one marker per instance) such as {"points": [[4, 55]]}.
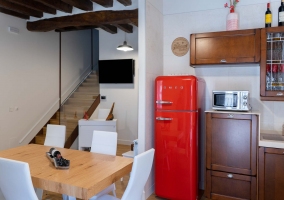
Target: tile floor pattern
{"points": [[120, 185]]}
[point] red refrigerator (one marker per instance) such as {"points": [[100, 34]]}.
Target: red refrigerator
{"points": [[176, 136]]}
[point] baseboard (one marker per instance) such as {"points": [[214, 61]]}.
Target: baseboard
{"points": [[150, 191]]}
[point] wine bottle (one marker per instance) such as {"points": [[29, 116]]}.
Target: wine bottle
{"points": [[281, 14], [268, 16]]}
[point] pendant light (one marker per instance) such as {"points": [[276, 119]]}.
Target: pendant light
{"points": [[125, 46]]}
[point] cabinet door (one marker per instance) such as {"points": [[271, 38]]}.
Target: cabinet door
{"points": [[231, 142], [221, 185], [272, 64], [271, 174], [225, 47]]}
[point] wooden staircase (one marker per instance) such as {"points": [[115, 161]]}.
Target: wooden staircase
{"points": [[40, 137], [74, 108]]}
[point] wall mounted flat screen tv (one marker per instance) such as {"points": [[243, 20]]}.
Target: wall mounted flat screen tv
{"points": [[116, 71]]}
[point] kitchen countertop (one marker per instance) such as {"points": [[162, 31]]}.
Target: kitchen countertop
{"points": [[270, 138]]}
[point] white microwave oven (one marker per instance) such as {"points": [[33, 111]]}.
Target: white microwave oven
{"points": [[231, 100]]}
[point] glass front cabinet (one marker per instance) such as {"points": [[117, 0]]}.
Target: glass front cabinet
{"points": [[272, 64]]}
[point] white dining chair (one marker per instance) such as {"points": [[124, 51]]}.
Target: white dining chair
{"points": [[15, 180], [55, 137], [103, 142], [141, 169]]}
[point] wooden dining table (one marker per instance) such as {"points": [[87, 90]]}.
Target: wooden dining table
{"points": [[88, 173]]}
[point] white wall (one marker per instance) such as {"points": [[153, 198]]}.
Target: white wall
{"points": [[76, 49], [125, 96], [30, 77], [186, 17], [29, 80], [151, 61]]}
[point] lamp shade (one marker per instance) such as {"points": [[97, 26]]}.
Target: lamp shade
{"points": [[124, 47]]}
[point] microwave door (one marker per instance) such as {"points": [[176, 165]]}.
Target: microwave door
{"points": [[226, 100]]}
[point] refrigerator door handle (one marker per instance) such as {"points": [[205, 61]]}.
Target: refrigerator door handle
{"points": [[164, 119], [164, 102]]}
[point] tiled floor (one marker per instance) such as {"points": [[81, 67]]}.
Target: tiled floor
{"points": [[120, 185]]}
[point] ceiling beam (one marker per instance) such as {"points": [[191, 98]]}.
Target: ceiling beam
{"points": [[125, 27], [81, 4], [57, 4], [104, 3], [15, 14], [134, 22], [20, 9], [108, 28], [34, 5], [84, 19], [73, 28], [125, 2]]}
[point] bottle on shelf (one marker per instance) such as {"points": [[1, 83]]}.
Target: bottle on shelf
{"points": [[281, 14], [268, 77], [268, 16], [281, 77], [274, 78]]}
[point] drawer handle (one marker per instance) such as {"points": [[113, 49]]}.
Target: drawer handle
{"points": [[230, 116], [279, 94], [230, 175], [223, 61]]}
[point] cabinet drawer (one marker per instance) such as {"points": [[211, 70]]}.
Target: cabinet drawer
{"points": [[242, 46], [229, 186], [230, 116]]}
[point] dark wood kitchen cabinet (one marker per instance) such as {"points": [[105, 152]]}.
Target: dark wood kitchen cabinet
{"points": [[272, 64], [231, 155], [226, 47], [271, 174]]}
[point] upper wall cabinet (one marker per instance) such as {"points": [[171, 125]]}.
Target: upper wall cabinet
{"points": [[226, 47], [272, 64]]}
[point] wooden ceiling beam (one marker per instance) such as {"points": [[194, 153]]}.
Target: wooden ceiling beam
{"points": [[134, 22], [125, 27], [20, 9], [104, 3], [108, 28], [73, 28], [84, 19], [125, 2], [34, 5], [57, 4], [15, 14], [81, 4]]}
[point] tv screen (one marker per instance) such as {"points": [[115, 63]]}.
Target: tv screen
{"points": [[116, 71]]}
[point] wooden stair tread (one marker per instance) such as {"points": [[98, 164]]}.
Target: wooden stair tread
{"points": [[79, 102]]}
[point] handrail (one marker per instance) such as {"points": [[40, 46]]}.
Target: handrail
{"points": [[76, 88], [75, 132]]}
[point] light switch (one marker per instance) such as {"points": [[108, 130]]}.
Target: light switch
{"points": [[11, 109]]}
